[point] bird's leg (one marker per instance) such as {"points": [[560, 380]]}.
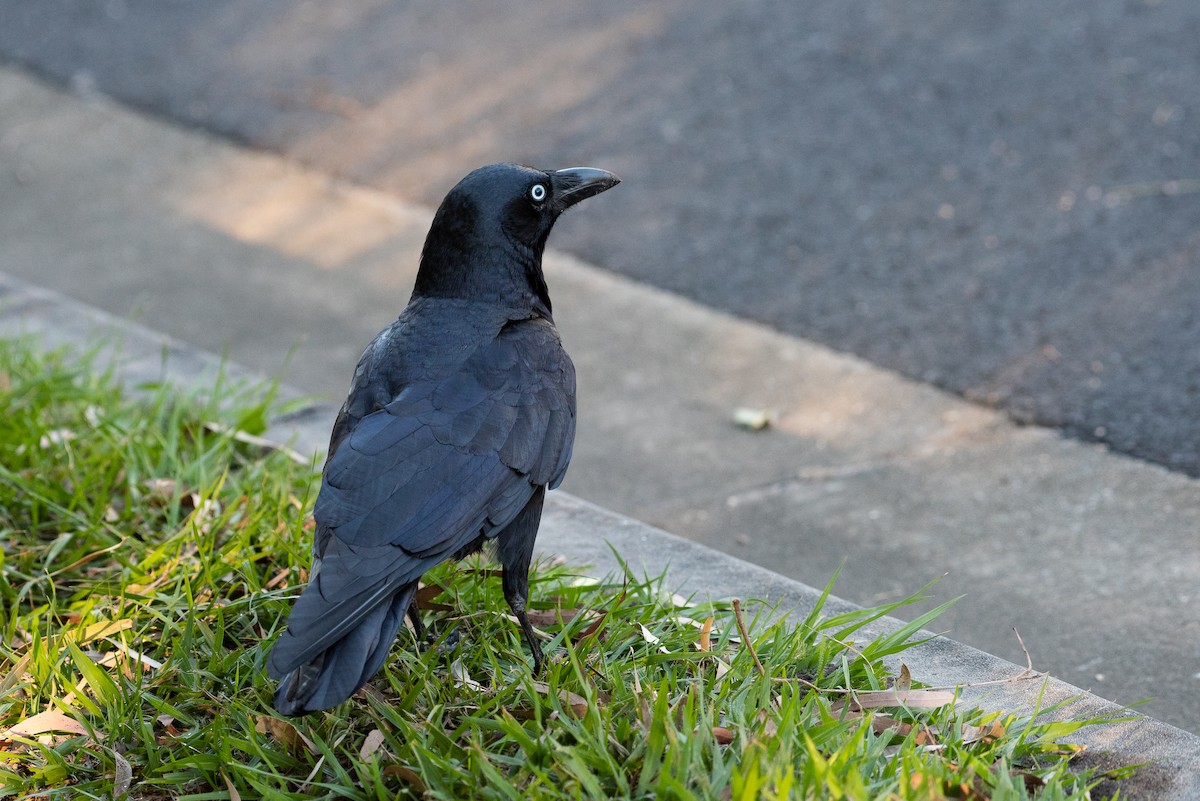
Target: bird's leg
{"points": [[414, 617], [514, 547], [426, 638], [515, 580], [516, 592], [535, 647]]}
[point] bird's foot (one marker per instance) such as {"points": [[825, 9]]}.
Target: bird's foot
{"points": [[447, 642]]}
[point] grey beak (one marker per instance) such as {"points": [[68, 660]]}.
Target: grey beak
{"points": [[579, 183]]}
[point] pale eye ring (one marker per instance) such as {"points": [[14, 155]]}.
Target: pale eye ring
{"points": [[537, 193]]}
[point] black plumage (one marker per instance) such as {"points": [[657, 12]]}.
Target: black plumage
{"points": [[460, 415]]}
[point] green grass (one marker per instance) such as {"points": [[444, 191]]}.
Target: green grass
{"points": [[148, 561]]}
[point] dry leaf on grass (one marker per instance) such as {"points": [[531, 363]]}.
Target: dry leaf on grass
{"points": [[406, 775], [541, 635], [371, 745], [650, 637], [234, 795], [279, 580], [930, 787], [577, 705], [15, 675], [111, 659], [705, 643], [551, 617], [168, 724], [458, 671], [722, 735], [882, 724], [123, 778], [425, 595], [909, 699], [96, 631], [44, 722], [974, 734], [284, 733], [592, 627]]}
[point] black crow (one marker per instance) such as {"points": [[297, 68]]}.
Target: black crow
{"points": [[460, 415]]}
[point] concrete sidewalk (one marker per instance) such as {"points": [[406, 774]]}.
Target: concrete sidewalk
{"points": [[1092, 556], [587, 535]]}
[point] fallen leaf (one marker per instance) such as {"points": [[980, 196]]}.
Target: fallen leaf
{"points": [[168, 723], [705, 643], [136, 655], [371, 744], [541, 635], [371, 694], [15, 675], [677, 600], [284, 733], [1033, 782], [279, 580], [577, 705], [649, 637], [770, 727], [50, 720], [458, 671], [96, 631], [882, 724], [645, 713], [592, 627], [124, 775], [986, 734], [234, 795], [407, 775], [426, 593], [1064, 749], [551, 617], [910, 699]]}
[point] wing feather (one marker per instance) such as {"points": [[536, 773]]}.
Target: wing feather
{"points": [[455, 454]]}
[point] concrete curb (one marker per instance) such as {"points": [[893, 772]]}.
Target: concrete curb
{"points": [[584, 533]]}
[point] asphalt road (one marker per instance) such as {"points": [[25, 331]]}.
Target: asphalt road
{"points": [[1002, 199]]}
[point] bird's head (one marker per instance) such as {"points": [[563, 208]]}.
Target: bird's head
{"points": [[487, 238]]}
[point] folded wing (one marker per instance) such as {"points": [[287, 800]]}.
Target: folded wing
{"points": [[451, 459]]}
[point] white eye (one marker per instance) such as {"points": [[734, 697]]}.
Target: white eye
{"points": [[538, 193]]}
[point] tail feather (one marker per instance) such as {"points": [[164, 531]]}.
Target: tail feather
{"points": [[341, 669]]}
